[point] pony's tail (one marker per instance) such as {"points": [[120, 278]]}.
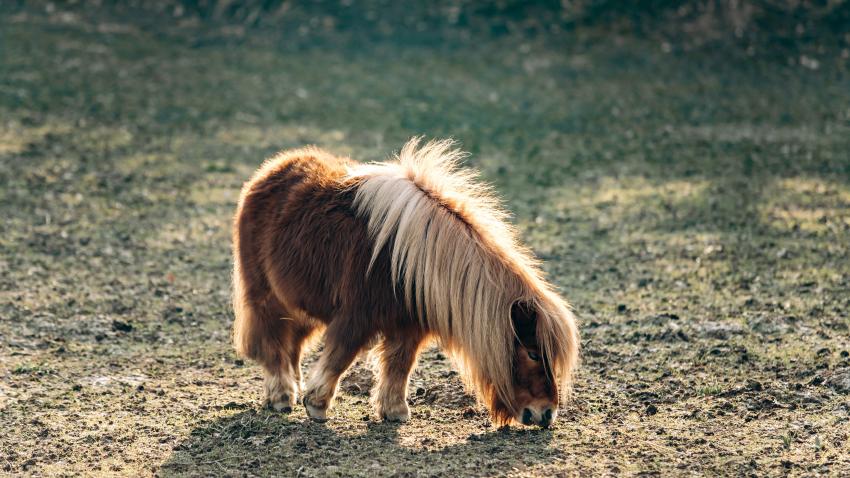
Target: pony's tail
{"points": [[244, 326], [257, 325]]}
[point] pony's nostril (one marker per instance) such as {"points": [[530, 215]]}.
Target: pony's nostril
{"points": [[547, 418], [526, 417]]}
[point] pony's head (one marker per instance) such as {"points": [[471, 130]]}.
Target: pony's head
{"points": [[535, 387], [544, 349]]}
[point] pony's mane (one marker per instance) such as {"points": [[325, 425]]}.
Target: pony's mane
{"points": [[459, 264]]}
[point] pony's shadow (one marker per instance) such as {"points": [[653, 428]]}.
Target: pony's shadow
{"points": [[264, 443]]}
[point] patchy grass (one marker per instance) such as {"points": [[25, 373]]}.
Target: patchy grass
{"points": [[694, 208]]}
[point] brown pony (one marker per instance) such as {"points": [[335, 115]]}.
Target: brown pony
{"points": [[398, 252]]}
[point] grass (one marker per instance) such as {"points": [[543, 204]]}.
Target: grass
{"points": [[695, 207]]}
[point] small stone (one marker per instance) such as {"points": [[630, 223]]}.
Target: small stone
{"points": [[651, 409]]}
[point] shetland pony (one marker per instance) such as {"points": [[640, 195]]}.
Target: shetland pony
{"points": [[390, 255]]}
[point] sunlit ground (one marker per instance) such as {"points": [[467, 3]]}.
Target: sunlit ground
{"points": [[694, 208]]}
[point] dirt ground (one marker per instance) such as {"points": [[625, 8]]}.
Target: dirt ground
{"points": [[694, 206]]}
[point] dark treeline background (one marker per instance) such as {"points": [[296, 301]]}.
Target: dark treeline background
{"points": [[760, 26]]}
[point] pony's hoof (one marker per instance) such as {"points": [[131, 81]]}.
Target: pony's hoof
{"points": [[315, 413], [280, 393], [397, 413], [400, 417], [282, 403]]}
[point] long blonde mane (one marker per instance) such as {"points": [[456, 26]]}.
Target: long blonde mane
{"points": [[459, 265]]}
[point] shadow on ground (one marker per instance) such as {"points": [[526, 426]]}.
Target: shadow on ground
{"points": [[262, 442]]}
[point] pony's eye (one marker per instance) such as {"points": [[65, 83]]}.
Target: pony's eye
{"points": [[534, 356]]}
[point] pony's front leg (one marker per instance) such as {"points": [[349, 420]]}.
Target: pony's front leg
{"points": [[397, 358], [342, 344]]}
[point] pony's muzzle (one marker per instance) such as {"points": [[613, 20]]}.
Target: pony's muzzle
{"points": [[538, 416]]}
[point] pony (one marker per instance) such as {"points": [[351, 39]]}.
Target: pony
{"points": [[388, 256]]}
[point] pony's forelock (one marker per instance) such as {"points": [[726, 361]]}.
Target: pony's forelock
{"points": [[557, 337], [459, 267]]}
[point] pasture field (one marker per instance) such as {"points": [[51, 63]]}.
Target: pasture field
{"points": [[693, 205]]}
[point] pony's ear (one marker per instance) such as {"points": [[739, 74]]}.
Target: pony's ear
{"points": [[524, 318]]}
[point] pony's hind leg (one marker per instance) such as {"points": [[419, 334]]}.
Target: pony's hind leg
{"points": [[265, 332], [283, 377], [342, 344], [397, 356]]}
